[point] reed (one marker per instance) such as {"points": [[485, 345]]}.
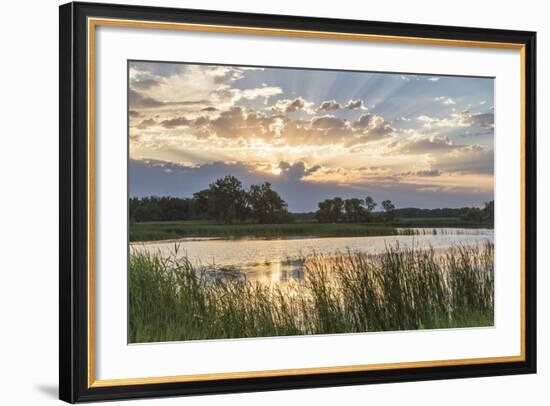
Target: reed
{"points": [[401, 289]]}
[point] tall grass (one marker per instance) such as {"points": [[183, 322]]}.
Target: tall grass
{"points": [[401, 289]]}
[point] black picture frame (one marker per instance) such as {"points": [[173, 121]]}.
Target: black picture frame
{"points": [[74, 385]]}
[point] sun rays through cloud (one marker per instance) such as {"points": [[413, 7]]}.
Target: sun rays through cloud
{"points": [[422, 140]]}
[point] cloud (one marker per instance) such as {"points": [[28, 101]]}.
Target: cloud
{"points": [[160, 178], [146, 124], [373, 128], [134, 114], [446, 156], [296, 171], [137, 100], [329, 105], [484, 120], [327, 122], [472, 159], [145, 84], [368, 120], [156, 85], [426, 144], [290, 105], [176, 122], [355, 105], [429, 173], [240, 123], [456, 120], [250, 94], [445, 100]]}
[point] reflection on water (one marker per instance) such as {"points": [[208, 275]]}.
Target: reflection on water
{"points": [[281, 260]]}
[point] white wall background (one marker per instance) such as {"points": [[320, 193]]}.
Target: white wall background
{"points": [[29, 202]]}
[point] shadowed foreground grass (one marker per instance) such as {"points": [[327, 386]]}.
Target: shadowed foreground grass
{"points": [[401, 289]]}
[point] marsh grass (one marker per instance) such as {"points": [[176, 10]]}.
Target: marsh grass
{"points": [[155, 231], [401, 289]]}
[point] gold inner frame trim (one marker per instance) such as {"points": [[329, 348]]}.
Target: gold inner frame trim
{"points": [[94, 22]]}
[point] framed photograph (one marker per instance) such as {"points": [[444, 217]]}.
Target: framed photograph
{"points": [[257, 202]]}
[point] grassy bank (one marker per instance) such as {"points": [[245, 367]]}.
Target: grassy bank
{"points": [[355, 292], [152, 231], [168, 230]]}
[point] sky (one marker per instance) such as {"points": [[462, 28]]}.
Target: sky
{"points": [[419, 140]]}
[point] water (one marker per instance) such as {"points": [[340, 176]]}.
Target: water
{"points": [[280, 260]]}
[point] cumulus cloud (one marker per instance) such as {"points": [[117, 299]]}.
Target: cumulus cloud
{"points": [[355, 105], [175, 122], [368, 121], [372, 127], [329, 105], [291, 105], [239, 123], [146, 124], [296, 171], [154, 86], [327, 122]]}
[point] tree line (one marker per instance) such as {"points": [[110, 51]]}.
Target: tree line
{"points": [[226, 201], [354, 210], [475, 214]]}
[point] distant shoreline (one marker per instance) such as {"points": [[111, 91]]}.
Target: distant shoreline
{"points": [[168, 231]]}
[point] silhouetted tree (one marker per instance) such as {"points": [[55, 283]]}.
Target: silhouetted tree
{"points": [[330, 210], [471, 214], [370, 205], [355, 212], [489, 211], [226, 200], [266, 205], [389, 209]]}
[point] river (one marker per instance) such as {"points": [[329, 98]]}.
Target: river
{"points": [[280, 260]]}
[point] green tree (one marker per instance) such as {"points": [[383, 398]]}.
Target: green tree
{"points": [[200, 204], [489, 211], [471, 214], [225, 200], [389, 210], [355, 212], [330, 210], [266, 205], [370, 205]]}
